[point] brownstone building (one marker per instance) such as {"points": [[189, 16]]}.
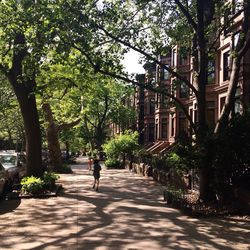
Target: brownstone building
{"points": [[159, 123]]}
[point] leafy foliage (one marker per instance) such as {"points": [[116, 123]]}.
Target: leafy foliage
{"points": [[232, 158], [50, 178], [113, 163], [125, 143], [11, 122], [34, 185]]}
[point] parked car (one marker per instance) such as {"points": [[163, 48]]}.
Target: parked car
{"points": [[3, 179], [15, 165]]}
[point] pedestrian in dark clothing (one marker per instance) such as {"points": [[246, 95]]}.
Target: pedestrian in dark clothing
{"points": [[96, 173]]}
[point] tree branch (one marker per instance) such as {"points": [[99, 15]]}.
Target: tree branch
{"points": [[88, 120], [174, 73], [20, 51], [148, 87], [225, 25], [65, 126], [186, 14]]}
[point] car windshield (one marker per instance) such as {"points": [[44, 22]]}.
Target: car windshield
{"points": [[8, 161]]}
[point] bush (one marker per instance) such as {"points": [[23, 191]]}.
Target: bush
{"points": [[160, 163], [173, 195], [113, 163], [125, 143], [32, 185], [232, 158], [175, 161], [49, 179], [144, 156]]}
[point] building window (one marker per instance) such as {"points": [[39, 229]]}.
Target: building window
{"points": [[191, 113], [226, 65], [152, 106], [182, 119], [174, 58], [157, 101], [156, 131], [183, 56], [172, 126], [164, 128], [165, 75], [164, 101], [211, 72], [227, 16], [184, 90], [151, 132], [195, 113], [236, 37], [156, 128], [157, 73]]}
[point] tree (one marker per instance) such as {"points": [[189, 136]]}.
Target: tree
{"points": [[102, 103], [60, 99], [149, 27], [24, 42]]}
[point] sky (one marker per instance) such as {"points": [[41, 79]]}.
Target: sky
{"points": [[131, 62]]}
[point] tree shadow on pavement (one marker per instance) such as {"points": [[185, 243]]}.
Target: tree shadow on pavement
{"points": [[7, 206], [127, 213]]}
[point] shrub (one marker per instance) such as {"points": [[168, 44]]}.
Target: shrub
{"points": [[144, 156], [125, 143], [49, 179], [35, 185], [175, 161], [32, 185], [160, 163], [232, 158], [173, 195], [113, 163]]}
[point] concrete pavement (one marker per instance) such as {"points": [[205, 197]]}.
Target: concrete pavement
{"points": [[127, 213]]}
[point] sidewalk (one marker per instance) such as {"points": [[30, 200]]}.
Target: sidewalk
{"points": [[127, 213]]}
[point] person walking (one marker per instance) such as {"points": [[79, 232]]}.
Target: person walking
{"points": [[96, 173], [90, 161]]}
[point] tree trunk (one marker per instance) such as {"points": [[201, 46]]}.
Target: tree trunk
{"points": [[27, 103], [24, 91], [206, 189], [53, 130], [55, 157], [99, 136], [206, 192]]}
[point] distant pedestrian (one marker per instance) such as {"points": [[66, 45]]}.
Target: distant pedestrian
{"points": [[96, 173], [90, 163]]}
